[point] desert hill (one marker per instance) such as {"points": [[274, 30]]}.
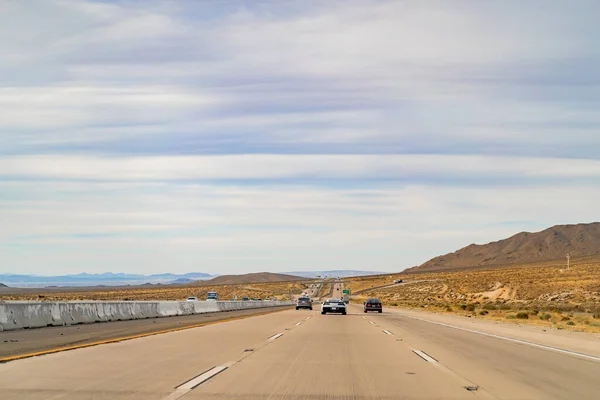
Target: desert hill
{"points": [[258, 277], [551, 244]]}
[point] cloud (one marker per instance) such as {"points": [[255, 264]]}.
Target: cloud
{"points": [[261, 135], [274, 166], [115, 226]]}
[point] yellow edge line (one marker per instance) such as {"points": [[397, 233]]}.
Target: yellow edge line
{"points": [[121, 339]]}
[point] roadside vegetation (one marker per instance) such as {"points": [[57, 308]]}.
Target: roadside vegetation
{"points": [[279, 290], [545, 294]]}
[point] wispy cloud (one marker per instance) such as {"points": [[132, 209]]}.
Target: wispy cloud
{"points": [[234, 136]]}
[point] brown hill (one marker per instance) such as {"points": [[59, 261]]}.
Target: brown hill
{"points": [[258, 277], [525, 247]]}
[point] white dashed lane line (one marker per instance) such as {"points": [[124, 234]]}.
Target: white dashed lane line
{"points": [[274, 337], [186, 387]]}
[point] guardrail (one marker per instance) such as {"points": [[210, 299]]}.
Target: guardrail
{"points": [[24, 314]]}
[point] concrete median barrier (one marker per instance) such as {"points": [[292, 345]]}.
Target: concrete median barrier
{"points": [[24, 314]]}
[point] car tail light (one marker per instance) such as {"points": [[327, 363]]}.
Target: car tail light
{"points": [[368, 305]]}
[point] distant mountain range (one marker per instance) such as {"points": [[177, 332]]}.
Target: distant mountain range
{"points": [[554, 243], [122, 279], [105, 279], [340, 273]]}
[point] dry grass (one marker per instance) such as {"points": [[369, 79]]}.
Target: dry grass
{"points": [[324, 290], [571, 298], [280, 290]]}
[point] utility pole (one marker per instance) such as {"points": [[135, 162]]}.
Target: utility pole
{"points": [[568, 261]]}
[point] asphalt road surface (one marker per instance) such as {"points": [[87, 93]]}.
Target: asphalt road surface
{"points": [[304, 355], [26, 341]]}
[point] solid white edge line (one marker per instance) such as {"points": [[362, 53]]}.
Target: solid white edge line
{"points": [[372, 323], [277, 336], [539, 346], [425, 356], [387, 332]]}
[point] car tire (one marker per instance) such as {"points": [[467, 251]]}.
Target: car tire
{"points": [[344, 313], [297, 308], [380, 311], [322, 312], [311, 309]]}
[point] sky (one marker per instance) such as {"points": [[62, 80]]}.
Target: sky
{"points": [[243, 136]]}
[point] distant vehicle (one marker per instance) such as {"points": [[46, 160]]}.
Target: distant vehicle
{"points": [[245, 299], [398, 281], [192, 299], [304, 302], [212, 296], [346, 298], [333, 306], [373, 305]]}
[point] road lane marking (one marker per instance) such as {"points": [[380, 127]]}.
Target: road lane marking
{"points": [[509, 339], [124, 338], [387, 332], [298, 324], [188, 386], [372, 323], [425, 356], [274, 337]]}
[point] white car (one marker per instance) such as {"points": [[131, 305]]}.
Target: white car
{"points": [[192, 299], [333, 306]]}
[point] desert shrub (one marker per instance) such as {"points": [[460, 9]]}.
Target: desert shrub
{"points": [[503, 306], [484, 312], [571, 323], [596, 316], [462, 306], [545, 317], [535, 312], [448, 308], [522, 315], [511, 316], [470, 307], [489, 306], [565, 319]]}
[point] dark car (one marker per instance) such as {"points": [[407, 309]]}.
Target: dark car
{"points": [[304, 302], [373, 305]]}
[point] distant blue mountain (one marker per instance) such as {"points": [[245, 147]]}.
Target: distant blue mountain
{"points": [[105, 279], [182, 281]]}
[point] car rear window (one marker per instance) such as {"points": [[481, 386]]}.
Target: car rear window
{"points": [[373, 301]]}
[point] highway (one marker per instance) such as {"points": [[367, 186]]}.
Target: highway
{"points": [[304, 355]]}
